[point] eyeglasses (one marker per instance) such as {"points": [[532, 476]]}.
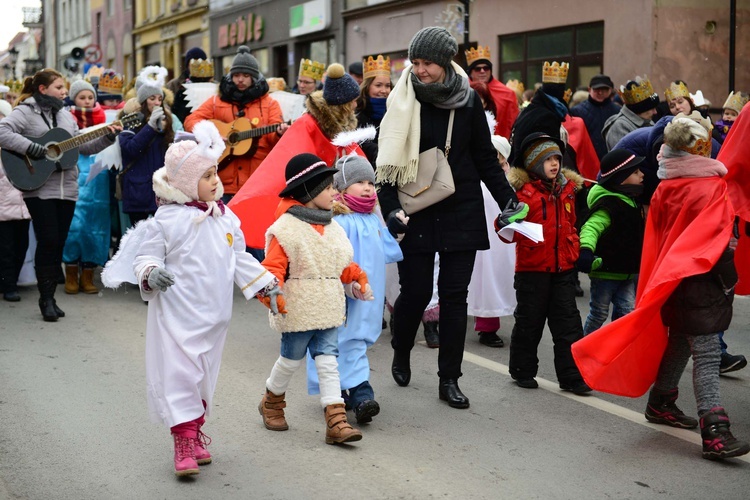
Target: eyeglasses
{"points": [[481, 69], [305, 82]]}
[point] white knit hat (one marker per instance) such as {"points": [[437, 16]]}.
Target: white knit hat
{"points": [[187, 161], [502, 145]]}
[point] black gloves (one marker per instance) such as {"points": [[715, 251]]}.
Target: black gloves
{"points": [[585, 260], [397, 223], [36, 151]]}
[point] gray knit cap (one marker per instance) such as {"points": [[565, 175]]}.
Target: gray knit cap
{"points": [[147, 89], [352, 169], [78, 86], [433, 44], [244, 62]]}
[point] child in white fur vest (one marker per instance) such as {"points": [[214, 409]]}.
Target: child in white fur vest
{"points": [[311, 256], [185, 259]]}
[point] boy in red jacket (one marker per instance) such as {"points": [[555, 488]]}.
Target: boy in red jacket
{"points": [[545, 271]]}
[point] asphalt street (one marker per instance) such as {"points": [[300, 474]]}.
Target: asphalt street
{"points": [[75, 423]]}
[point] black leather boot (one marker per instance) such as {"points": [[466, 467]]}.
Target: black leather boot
{"points": [[46, 305], [431, 334], [46, 284], [400, 368], [450, 392]]}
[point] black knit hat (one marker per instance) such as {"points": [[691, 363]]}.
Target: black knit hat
{"points": [[433, 44], [306, 177], [339, 86], [194, 53], [245, 62], [616, 166], [355, 68]]}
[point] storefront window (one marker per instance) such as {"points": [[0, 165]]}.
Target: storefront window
{"points": [[522, 55], [263, 61], [323, 51]]}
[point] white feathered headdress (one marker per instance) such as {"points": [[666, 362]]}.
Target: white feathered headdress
{"points": [[150, 81]]}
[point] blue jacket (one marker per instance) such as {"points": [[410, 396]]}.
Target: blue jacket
{"points": [[594, 114], [143, 151]]}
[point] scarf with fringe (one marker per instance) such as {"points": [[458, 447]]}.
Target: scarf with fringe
{"points": [[400, 130]]}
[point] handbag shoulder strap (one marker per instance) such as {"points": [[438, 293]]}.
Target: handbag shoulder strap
{"points": [[132, 163], [450, 132]]}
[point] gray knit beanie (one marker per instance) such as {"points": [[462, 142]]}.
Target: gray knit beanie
{"points": [[78, 86], [433, 44], [352, 169], [244, 62], [147, 89]]}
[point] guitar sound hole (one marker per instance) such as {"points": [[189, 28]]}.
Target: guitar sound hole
{"points": [[233, 138], [53, 152]]}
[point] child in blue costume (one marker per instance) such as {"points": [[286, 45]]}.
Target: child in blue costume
{"points": [[374, 247]]}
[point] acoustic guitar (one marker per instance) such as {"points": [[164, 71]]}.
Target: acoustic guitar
{"points": [[240, 137], [27, 174]]}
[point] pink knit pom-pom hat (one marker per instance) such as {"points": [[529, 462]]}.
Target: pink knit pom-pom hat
{"points": [[187, 161]]}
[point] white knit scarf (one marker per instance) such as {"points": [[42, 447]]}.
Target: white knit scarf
{"points": [[398, 145]]}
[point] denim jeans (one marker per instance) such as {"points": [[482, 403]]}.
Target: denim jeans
{"points": [[294, 345], [621, 294], [360, 393]]}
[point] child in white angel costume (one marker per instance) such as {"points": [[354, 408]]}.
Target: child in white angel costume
{"points": [[184, 260]]}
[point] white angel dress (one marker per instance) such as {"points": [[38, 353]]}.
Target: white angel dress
{"points": [[187, 325]]}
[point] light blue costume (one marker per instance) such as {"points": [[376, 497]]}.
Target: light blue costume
{"points": [[374, 247], [88, 237]]}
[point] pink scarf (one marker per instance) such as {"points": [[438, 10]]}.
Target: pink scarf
{"points": [[359, 204], [674, 164]]}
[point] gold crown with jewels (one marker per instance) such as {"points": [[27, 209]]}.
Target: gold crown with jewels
{"points": [[276, 84], [636, 90], [376, 67], [93, 74], [675, 90], [312, 69], [200, 68], [736, 101], [473, 55], [555, 72], [111, 83], [15, 86]]}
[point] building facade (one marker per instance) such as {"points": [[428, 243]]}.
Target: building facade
{"points": [[165, 29], [112, 32], [72, 30], [279, 33]]}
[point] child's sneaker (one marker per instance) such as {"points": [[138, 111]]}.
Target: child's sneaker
{"points": [[366, 410], [661, 409], [184, 456], [718, 441], [732, 362]]}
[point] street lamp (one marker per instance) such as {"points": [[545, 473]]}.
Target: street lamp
{"points": [[13, 53]]}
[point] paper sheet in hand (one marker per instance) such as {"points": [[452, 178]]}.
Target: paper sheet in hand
{"points": [[531, 230]]}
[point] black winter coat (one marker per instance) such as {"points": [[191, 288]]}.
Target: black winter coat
{"points": [[594, 114], [369, 147], [699, 305], [457, 223], [541, 115]]}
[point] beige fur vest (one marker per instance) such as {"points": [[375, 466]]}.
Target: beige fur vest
{"points": [[313, 290]]}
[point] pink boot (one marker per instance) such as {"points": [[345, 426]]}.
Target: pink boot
{"points": [[184, 456], [202, 456]]}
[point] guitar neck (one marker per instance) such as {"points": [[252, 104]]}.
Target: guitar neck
{"points": [[257, 132], [81, 139]]}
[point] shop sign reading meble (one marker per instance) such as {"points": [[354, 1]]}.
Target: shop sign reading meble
{"points": [[241, 31]]}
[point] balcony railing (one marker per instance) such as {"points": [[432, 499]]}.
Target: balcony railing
{"points": [[32, 17]]}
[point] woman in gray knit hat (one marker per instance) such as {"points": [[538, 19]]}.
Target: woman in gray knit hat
{"points": [[416, 120]]}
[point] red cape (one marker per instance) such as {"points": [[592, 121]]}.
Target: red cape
{"points": [[578, 137], [257, 200], [506, 103], [733, 155], [688, 227]]}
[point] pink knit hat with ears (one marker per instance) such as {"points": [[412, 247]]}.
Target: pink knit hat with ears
{"points": [[187, 161]]}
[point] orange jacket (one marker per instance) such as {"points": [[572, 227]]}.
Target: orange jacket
{"points": [[266, 110], [277, 262]]}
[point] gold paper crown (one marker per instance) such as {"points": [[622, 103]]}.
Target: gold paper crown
{"points": [[376, 67], [200, 68], [480, 52], [676, 90], [15, 86], [639, 90], [276, 84], [736, 101], [555, 72], [110, 83], [701, 146], [312, 69], [515, 86]]}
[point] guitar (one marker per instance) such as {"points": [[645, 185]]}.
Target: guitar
{"points": [[239, 136], [62, 154]]}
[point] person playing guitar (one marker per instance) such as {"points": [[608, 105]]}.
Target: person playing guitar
{"points": [[243, 93], [51, 205]]}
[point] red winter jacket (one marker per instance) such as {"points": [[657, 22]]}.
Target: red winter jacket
{"points": [[557, 214]]}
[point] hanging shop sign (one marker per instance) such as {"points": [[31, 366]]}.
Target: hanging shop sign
{"points": [[309, 17], [244, 29]]}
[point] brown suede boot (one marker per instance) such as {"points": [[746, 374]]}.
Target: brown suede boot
{"points": [[338, 429], [71, 278], [87, 281], [271, 408]]}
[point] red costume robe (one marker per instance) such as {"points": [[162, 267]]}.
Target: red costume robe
{"points": [[256, 202], [506, 103], [688, 227], [587, 160]]}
